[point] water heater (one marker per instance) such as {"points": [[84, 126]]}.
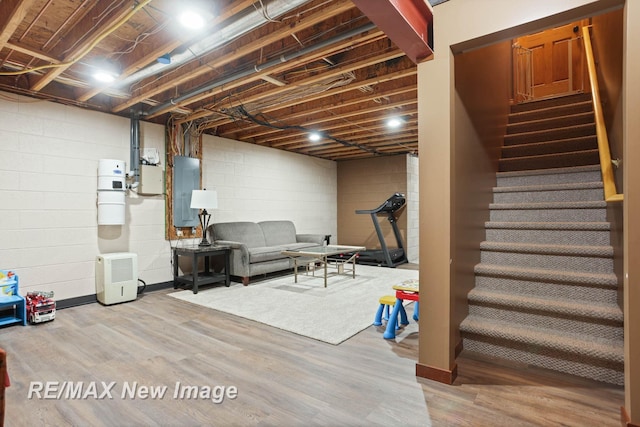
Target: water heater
{"points": [[111, 192], [116, 277]]}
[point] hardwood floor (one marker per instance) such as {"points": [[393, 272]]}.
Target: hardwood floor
{"points": [[282, 379]]}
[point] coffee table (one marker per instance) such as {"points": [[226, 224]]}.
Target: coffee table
{"points": [[328, 256]]}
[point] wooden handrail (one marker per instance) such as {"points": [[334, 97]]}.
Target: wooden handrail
{"points": [[610, 192]]}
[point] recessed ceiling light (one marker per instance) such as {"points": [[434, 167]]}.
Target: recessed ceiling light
{"points": [[104, 76], [191, 20], [104, 70], [314, 137], [394, 123]]}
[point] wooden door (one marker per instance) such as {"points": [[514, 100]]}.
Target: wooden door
{"points": [[557, 63]]}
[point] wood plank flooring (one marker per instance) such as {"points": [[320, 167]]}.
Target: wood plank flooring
{"points": [[282, 379]]}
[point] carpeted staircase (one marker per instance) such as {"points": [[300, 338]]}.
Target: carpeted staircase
{"points": [[545, 290]]}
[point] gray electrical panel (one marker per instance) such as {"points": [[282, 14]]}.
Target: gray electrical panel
{"points": [[186, 178]]}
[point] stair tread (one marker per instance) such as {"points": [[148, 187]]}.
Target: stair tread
{"points": [[545, 131], [549, 102], [574, 308], [549, 249], [549, 205], [602, 279], [551, 110], [552, 171], [592, 226], [548, 156], [541, 121], [584, 345], [550, 187], [564, 145]]}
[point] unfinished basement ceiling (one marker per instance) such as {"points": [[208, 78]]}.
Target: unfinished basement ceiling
{"points": [[265, 72]]}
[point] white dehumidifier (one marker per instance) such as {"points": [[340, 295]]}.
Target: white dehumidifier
{"points": [[116, 277]]}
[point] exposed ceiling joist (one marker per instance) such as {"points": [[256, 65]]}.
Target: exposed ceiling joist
{"points": [[263, 73]]}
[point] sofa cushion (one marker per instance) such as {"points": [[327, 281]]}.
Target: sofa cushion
{"points": [[294, 246], [278, 232], [248, 233], [266, 253]]}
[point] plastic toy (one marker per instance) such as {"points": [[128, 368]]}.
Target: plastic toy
{"points": [[40, 307]]}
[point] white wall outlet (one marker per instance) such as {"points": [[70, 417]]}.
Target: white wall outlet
{"points": [[179, 232]]}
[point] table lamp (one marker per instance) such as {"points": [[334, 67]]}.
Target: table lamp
{"points": [[204, 199]]}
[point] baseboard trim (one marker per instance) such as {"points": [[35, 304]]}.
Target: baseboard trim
{"points": [[437, 374], [90, 299], [625, 420], [76, 301]]}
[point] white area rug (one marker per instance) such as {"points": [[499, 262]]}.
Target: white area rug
{"points": [[332, 314]]}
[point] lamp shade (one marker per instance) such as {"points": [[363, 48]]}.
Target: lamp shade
{"points": [[204, 199]]}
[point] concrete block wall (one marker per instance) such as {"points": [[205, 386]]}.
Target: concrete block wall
{"points": [[413, 210], [256, 183], [48, 180]]}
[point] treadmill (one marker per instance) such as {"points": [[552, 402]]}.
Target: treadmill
{"points": [[385, 257]]}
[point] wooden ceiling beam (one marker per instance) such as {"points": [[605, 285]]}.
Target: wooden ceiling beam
{"points": [[86, 28], [171, 81], [12, 12], [340, 124], [334, 149], [339, 152], [276, 91], [351, 135], [326, 118], [357, 137], [352, 129], [355, 112], [32, 52], [332, 72], [331, 50], [162, 43], [332, 92]]}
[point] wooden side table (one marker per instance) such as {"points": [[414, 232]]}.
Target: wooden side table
{"points": [[197, 278]]}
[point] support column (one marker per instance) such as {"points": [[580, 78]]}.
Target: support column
{"points": [[436, 355]]}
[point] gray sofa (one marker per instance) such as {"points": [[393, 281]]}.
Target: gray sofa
{"points": [[256, 248]]}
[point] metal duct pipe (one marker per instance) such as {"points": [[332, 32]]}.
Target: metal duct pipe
{"points": [[258, 68], [222, 36], [134, 166]]}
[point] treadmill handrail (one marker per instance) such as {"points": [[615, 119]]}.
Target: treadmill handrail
{"points": [[392, 204]]}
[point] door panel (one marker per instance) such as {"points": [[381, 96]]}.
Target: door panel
{"points": [[557, 61]]}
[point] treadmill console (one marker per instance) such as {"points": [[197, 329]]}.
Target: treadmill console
{"points": [[392, 204]]}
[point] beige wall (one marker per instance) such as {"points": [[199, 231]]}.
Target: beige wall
{"points": [[607, 40], [607, 35], [460, 25], [482, 83], [365, 184]]}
